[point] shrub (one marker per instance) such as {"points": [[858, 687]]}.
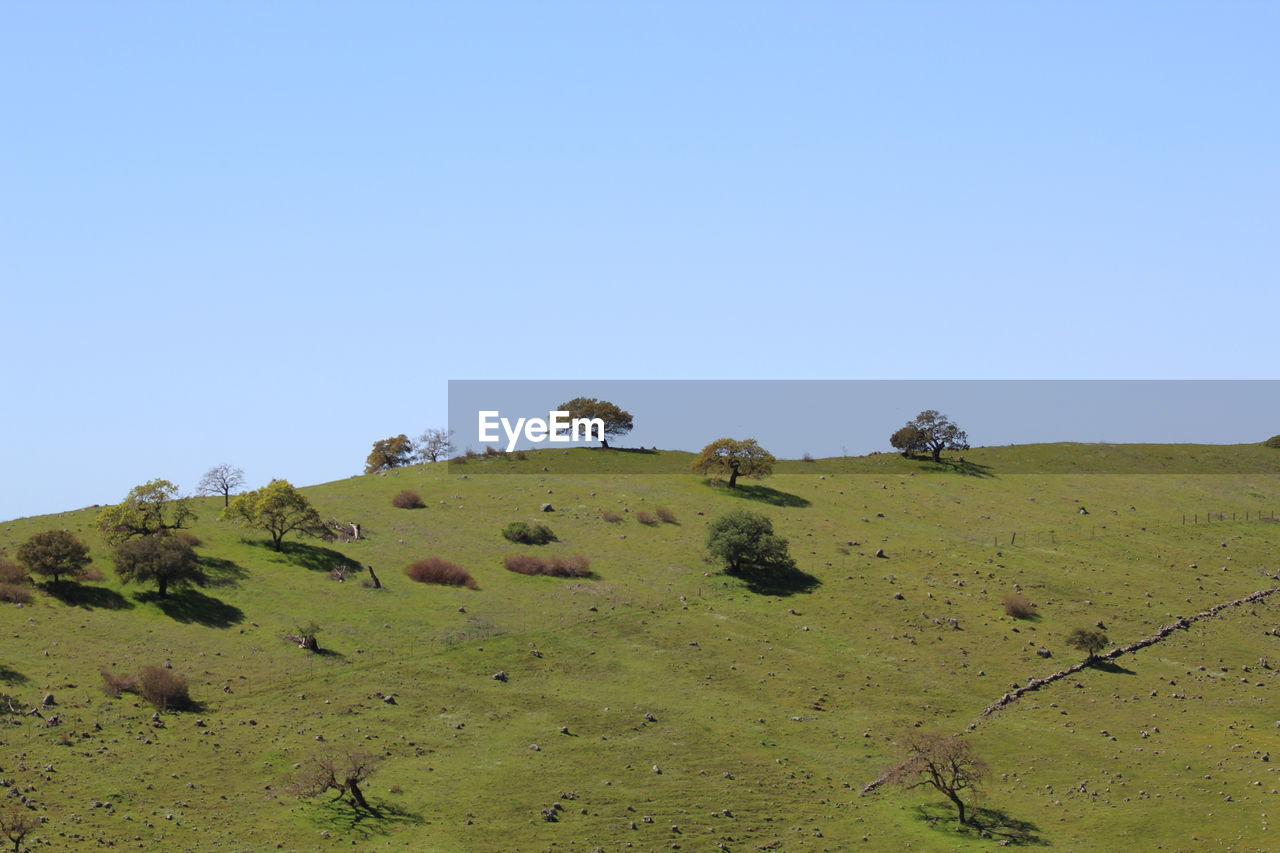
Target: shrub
{"points": [[471, 454], [574, 566], [665, 514], [742, 539], [408, 499], [1274, 441], [441, 571], [521, 455], [115, 684], [490, 450], [164, 689], [89, 574], [611, 516], [9, 573], [528, 534], [189, 539], [1018, 606], [646, 517], [15, 593], [808, 457]]}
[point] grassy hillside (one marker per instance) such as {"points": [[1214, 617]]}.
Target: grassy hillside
{"points": [[770, 706]]}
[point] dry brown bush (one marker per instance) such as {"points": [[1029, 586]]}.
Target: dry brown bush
{"points": [[440, 571]]}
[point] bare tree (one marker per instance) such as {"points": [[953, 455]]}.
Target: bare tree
{"points": [[341, 771], [945, 763], [434, 445], [16, 823], [221, 480]]}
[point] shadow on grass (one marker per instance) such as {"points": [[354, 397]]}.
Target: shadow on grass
{"points": [[220, 572], [338, 816], [941, 817], [11, 676], [89, 597], [1111, 667], [763, 494], [189, 605], [781, 580], [953, 466], [314, 558]]}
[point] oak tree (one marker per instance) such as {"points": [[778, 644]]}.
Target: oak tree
{"points": [[53, 553], [394, 452], [743, 539], [434, 445], [278, 509], [340, 771], [736, 458], [947, 764], [221, 480], [616, 421], [149, 508], [160, 558], [933, 431]]}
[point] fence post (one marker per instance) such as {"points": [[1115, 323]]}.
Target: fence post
{"points": [[1013, 538]]}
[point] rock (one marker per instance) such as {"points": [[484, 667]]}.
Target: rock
{"points": [[499, 676], [650, 718], [390, 700], [1044, 653], [898, 596], [47, 700], [881, 554], [547, 508]]}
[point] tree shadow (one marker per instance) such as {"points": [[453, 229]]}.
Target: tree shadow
{"points": [[1110, 666], [779, 579], [315, 558], [763, 494], [379, 819], [953, 466], [996, 823], [189, 605], [11, 676], [220, 572], [77, 594]]}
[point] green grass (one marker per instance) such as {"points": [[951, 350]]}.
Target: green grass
{"points": [[775, 715]]}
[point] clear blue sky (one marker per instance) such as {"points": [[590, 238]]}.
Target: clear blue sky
{"points": [[268, 233]]}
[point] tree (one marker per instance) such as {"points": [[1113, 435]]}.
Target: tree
{"points": [[17, 822], [907, 439], [616, 421], [934, 432], [434, 445], [389, 453], [160, 558], [150, 508], [742, 539], [744, 458], [279, 509], [341, 771], [945, 763], [221, 480], [53, 553], [1088, 641]]}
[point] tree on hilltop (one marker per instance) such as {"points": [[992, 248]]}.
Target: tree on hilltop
{"points": [[434, 445], [930, 430], [394, 452], [745, 458], [617, 422], [221, 480]]}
